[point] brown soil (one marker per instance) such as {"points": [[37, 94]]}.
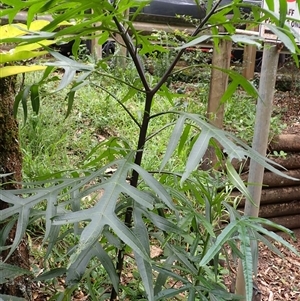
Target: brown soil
{"points": [[279, 278], [288, 104]]}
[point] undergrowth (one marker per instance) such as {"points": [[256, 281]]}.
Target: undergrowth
{"points": [[51, 142]]}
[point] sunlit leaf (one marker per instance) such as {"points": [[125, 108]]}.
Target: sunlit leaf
{"points": [[14, 70]]}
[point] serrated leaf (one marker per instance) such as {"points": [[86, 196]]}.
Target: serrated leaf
{"points": [[253, 224], [144, 267], [103, 213], [247, 260], [70, 66], [8, 271], [234, 147]]}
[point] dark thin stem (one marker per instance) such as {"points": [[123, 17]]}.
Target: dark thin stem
{"points": [[160, 130], [142, 137], [119, 102], [146, 119], [134, 182], [132, 51], [179, 54], [120, 80]]}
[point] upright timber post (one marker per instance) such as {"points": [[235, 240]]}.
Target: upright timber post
{"points": [[260, 144], [249, 59], [218, 85], [96, 48]]}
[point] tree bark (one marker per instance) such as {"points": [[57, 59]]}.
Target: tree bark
{"points": [[11, 162], [274, 195], [291, 222], [287, 143], [273, 180], [291, 161], [280, 210]]}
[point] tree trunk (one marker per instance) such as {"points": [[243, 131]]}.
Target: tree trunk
{"points": [[273, 180], [11, 162], [287, 143], [274, 195]]}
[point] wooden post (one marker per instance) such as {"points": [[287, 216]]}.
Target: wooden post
{"points": [[218, 86], [96, 49], [249, 59], [218, 83]]}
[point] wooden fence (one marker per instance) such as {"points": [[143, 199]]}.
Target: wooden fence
{"points": [[280, 198]]}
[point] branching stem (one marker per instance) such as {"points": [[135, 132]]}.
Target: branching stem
{"points": [[146, 117]]}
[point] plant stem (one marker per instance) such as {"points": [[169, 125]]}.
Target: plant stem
{"points": [[134, 180], [141, 141], [179, 54], [133, 53], [146, 118]]}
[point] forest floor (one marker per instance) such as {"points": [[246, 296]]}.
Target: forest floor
{"points": [[278, 277], [289, 103]]}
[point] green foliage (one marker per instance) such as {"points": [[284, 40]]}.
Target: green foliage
{"points": [[21, 52], [240, 117], [116, 206]]}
